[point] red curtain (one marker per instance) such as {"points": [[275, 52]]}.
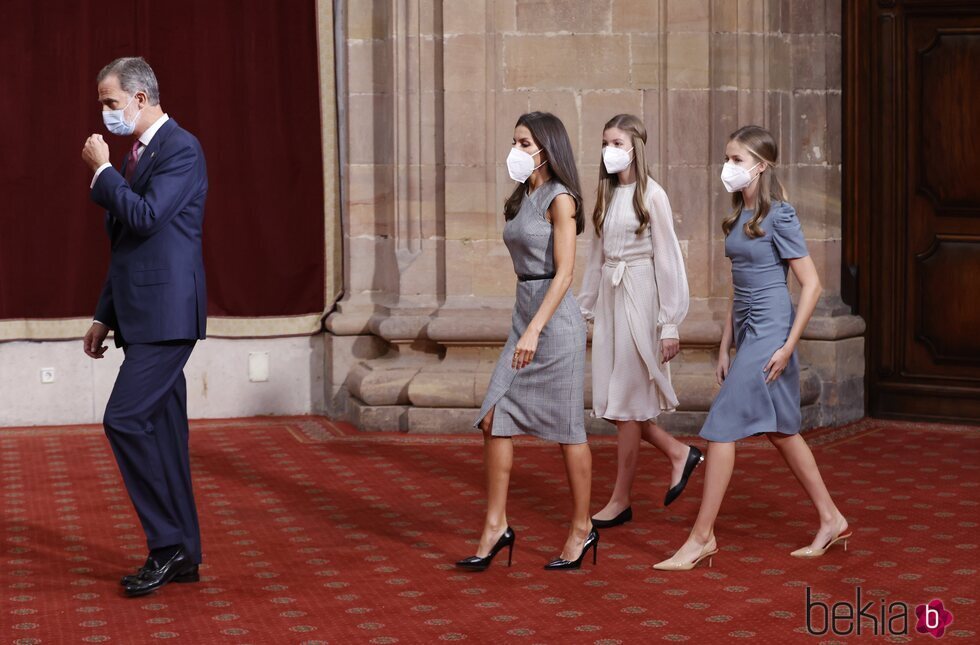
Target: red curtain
{"points": [[241, 75]]}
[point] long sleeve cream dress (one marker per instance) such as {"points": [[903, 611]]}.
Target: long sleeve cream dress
{"points": [[635, 288]]}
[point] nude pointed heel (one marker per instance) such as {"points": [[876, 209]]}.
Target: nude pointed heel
{"points": [[810, 552], [671, 565]]}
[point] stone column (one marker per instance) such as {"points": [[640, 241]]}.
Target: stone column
{"points": [[394, 215], [434, 90]]}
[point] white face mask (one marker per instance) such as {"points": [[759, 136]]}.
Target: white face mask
{"points": [[737, 178], [616, 160], [116, 123], [520, 164]]}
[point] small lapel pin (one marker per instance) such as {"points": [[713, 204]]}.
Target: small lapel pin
{"points": [[152, 155]]}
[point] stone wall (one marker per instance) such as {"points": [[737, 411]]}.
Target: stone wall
{"points": [[433, 90]]}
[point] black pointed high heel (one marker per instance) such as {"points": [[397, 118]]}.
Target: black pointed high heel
{"points": [[591, 542], [474, 563], [694, 459]]}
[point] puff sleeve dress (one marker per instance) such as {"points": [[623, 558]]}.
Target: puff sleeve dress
{"points": [[762, 315]]}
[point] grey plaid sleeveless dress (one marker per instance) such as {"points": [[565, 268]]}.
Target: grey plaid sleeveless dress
{"points": [[544, 399]]}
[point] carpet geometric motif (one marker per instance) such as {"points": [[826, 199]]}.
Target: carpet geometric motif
{"points": [[317, 533]]}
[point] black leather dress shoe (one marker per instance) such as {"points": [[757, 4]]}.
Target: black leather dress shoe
{"points": [[622, 518], [158, 574], [694, 458], [192, 575]]}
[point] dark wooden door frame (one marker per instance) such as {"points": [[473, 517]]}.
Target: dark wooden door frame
{"points": [[874, 212]]}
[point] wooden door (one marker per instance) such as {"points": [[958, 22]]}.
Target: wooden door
{"points": [[912, 202]]}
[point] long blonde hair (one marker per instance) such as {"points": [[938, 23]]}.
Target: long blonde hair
{"points": [[632, 126], [761, 145]]}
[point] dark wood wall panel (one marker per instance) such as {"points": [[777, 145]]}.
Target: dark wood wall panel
{"points": [[912, 202], [948, 73], [946, 324]]}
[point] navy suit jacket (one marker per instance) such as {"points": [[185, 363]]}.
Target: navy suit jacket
{"points": [[155, 290]]}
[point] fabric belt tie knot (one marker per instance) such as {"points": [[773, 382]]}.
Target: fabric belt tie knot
{"points": [[643, 336], [619, 267]]}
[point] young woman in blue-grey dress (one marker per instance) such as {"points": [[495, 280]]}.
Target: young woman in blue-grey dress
{"points": [[760, 389], [537, 385]]}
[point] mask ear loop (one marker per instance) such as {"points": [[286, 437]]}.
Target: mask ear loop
{"points": [[138, 111], [540, 164], [630, 154], [758, 174]]}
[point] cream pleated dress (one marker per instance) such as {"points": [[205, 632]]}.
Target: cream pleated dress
{"points": [[635, 289]]}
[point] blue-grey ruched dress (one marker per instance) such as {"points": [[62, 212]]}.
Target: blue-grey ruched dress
{"points": [[763, 315], [545, 399]]}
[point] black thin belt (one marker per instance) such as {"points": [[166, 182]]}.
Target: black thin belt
{"points": [[528, 278]]}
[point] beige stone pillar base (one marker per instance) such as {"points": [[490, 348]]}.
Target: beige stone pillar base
{"points": [[436, 384]]}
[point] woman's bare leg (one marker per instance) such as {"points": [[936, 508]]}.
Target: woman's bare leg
{"points": [[676, 451], [627, 452], [498, 459], [798, 456], [719, 464], [578, 467]]}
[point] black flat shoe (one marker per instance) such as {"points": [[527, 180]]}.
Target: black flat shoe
{"points": [[591, 542], [192, 575], [474, 563], [159, 574], [622, 518], [694, 458]]}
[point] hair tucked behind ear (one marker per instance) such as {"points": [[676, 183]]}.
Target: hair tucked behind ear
{"points": [[761, 145], [549, 133], [634, 127]]}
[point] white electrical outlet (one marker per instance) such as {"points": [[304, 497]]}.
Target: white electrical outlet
{"points": [[258, 367], [47, 375]]}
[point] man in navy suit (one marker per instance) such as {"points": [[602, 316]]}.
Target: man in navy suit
{"points": [[155, 301]]}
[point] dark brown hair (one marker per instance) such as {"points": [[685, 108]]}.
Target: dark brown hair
{"points": [[549, 133]]}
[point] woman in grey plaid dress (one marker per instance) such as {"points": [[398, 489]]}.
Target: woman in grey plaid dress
{"points": [[537, 385]]}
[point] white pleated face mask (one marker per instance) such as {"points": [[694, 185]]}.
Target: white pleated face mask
{"points": [[520, 164], [735, 177], [616, 160]]}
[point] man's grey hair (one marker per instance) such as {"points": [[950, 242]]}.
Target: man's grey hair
{"points": [[134, 74]]}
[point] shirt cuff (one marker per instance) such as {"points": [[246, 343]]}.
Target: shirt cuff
{"points": [[669, 331], [101, 323], [98, 171]]}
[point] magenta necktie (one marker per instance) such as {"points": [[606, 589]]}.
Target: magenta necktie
{"points": [[132, 161]]}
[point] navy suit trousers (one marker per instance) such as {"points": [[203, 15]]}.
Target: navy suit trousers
{"points": [[146, 424]]}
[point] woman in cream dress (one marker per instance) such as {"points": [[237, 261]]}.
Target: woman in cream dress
{"points": [[635, 289]]}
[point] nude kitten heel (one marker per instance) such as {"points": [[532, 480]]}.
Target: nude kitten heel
{"points": [[708, 552], [810, 552]]}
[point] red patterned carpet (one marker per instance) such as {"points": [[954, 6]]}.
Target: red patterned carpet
{"points": [[315, 533]]}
